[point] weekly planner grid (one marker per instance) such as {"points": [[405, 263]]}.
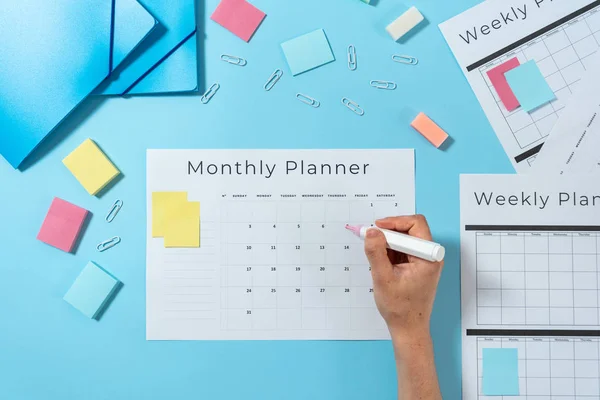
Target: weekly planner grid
{"points": [[274, 259], [560, 37], [530, 271]]}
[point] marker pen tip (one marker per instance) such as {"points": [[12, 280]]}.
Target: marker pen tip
{"points": [[353, 229]]}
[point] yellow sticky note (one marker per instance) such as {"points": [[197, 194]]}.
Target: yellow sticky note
{"points": [[162, 204], [91, 167], [182, 226]]}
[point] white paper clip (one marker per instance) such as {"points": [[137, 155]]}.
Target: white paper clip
{"points": [[114, 210], [107, 244], [273, 79], [352, 58], [384, 85], [352, 106], [308, 100], [405, 59], [233, 60], [210, 93]]}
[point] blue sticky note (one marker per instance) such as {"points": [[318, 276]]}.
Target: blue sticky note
{"points": [[307, 52], [92, 290], [500, 372], [529, 86]]}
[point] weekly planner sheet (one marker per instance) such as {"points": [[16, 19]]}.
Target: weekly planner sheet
{"points": [[560, 36], [530, 280], [273, 260]]}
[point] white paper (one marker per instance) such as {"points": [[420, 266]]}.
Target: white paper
{"points": [[530, 273], [559, 35], [275, 260], [574, 144]]}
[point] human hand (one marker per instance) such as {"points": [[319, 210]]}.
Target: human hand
{"points": [[404, 286]]}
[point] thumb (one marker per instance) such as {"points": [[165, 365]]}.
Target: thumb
{"points": [[376, 251]]}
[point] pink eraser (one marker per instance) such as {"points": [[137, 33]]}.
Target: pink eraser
{"points": [[62, 225], [501, 85], [429, 129]]}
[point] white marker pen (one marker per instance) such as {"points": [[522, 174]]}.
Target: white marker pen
{"points": [[406, 244]]}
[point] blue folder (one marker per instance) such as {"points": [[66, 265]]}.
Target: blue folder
{"points": [[167, 61], [54, 54]]}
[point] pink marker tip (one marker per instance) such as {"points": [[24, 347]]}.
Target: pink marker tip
{"points": [[353, 229]]}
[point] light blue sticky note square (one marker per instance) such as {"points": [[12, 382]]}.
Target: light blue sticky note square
{"points": [[529, 86], [500, 372], [92, 290], [307, 52]]}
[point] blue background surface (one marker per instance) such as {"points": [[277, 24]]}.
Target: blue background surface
{"points": [[48, 350]]}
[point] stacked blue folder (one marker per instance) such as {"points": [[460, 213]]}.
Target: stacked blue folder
{"points": [[57, 53]]}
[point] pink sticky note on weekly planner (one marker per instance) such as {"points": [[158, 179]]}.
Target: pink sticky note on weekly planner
{"points": [[239, 17], [500, 83], [62, 225]]}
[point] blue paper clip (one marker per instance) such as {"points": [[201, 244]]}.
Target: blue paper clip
{"points": [[210, 93], [352, 58], [107, 244], [405, 59], [308, 100], [384, 85], [352, 106], [233, 60], [273, 79], [114, 210]]}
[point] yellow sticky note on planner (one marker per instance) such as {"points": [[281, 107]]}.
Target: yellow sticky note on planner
{"points": [[182, 226], [162, 204], [91, 167]]}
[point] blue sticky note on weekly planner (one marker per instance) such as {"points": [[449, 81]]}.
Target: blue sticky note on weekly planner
{"points": [[307, 52], [92, 290], [500, 372], [529, 86]]}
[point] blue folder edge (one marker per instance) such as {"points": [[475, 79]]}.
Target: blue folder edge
{"points": [[121, 44], [178, 24]]}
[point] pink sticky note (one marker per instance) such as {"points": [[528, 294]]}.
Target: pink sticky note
{"points": [[239, 17], [62, 225], [500, 83]]}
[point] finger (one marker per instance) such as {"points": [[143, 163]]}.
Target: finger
{"points": [[414, 225], [376, 251]]}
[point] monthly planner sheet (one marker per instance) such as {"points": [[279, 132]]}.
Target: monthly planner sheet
{"points": [[560, 36], [275, 261], [530, 272]]}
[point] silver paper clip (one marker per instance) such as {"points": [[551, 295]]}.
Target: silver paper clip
{"points": [[384, 85], [405, 59], [114, 210], [352, 58], [352, 106], [233, 60], [107, 244], [273, 79], [308, 100], [210, 93]]}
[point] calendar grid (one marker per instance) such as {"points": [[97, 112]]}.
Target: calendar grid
{"points": [[549, 367], [537, 278], [563, 55], [289, 249]]}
